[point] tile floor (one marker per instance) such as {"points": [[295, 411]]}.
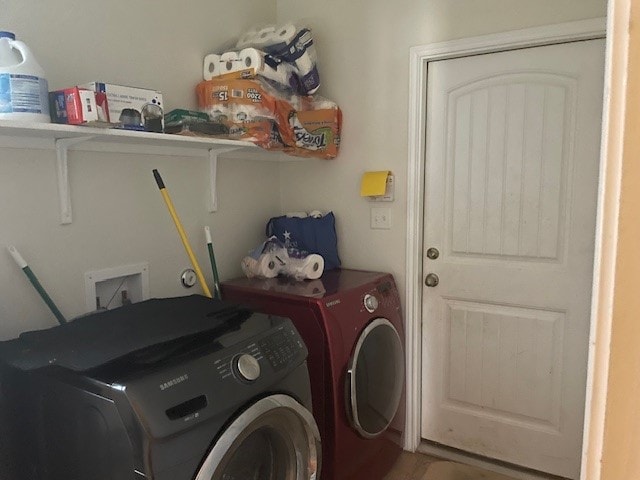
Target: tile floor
{"points": [[413, 466], [410, 466]]}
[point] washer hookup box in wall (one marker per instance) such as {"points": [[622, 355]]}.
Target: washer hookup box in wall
{"points": [[131, 107]]}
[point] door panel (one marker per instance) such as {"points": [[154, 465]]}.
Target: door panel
{"points": [[495, 355], [510, 199], [508, 172]]}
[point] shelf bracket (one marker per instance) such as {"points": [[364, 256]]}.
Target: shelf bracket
{"points": [[62, 168], [213, 174]]}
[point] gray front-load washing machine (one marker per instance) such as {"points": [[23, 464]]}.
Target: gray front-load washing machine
{"points": [[174, 389]]}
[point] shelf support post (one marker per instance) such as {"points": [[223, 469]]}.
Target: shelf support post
{"points": [[213, 174], [62, 168]]}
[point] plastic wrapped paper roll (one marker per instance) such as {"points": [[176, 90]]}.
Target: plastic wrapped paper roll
{"points": [[254, 58], [324, 104], [296, 214], [212, 66], [264, 37], [285, 45], [248, 39], [246, 113], [264, 267], [280, 40], [309, 267], [306, 62], [251, 58], [230, 62], [285, 34], [220, 113], [295, 46]]}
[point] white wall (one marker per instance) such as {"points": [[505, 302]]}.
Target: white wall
{"points": [[363, 49], [119, 215]]}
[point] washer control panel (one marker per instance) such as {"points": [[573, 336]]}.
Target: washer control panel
{"points": [[281, 347], [244, 365], [247, 367]]}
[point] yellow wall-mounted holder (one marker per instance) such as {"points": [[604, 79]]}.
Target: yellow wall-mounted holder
{"points": [[377, 186]]}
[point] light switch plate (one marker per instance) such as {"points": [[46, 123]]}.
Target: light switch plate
{"points": [[380, 218]]}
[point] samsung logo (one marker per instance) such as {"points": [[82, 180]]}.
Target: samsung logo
{"points": [[174, 381], [332, 303]]}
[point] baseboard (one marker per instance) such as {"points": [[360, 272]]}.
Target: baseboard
{"points": [[447, 453]]}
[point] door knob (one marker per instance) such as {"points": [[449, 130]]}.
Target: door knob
{"points": [[432, 253], [431, 280]]}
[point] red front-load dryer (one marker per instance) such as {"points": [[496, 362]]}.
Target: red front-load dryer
{"points": [[351, 322]]}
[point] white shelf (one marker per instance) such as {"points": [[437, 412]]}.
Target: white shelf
{"points": [[62, 138], [111, 135]]}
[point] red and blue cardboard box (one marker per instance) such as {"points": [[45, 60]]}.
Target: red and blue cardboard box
{"points": [[78, 106]]}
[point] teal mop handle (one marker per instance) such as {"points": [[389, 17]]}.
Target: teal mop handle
{"points": [[37, 285], [45, 296], [217, 292]]}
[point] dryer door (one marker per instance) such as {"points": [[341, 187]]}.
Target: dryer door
{"points": [[375, 378], [274, 439]]}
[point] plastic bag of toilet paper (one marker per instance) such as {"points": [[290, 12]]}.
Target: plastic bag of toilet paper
{"points": [[272, 258], [284, 55], [314, 128], [256, 112], [251, 63], [246, 107]]}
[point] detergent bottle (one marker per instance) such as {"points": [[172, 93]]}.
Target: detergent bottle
{"points": [[23, 87]]}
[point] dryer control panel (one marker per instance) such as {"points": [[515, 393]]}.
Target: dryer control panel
{"points": [[383, 295]]}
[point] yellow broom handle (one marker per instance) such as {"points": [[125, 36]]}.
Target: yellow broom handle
{"points": [[181, 232]]}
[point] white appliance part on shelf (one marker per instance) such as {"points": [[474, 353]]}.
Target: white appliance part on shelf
{"points": [[24, 92]]}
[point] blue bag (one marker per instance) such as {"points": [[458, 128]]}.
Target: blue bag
{"points": [[313, 235]]}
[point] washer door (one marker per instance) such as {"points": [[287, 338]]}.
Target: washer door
{"points": [[274, 439], [375, 378]]}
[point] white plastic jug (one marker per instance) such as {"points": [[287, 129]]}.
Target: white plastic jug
{"points": [[23, 87]]}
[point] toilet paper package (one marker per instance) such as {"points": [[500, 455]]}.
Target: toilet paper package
{"points": [[253, 111], [249, 63], [247, 108], [216, 65], [273, 258], [283, 55], [314, 129], [295, 46]]}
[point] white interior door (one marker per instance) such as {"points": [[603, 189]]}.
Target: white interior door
{"points": [[511, 168]]}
